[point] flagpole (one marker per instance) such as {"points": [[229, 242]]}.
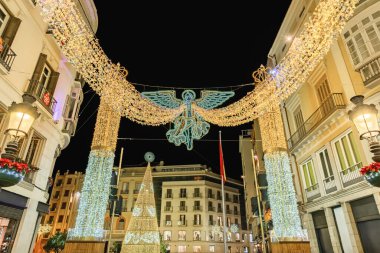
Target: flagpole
{"points": [[223, 205]]}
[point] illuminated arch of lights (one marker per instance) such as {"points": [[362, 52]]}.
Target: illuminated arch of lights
{"points": [[84, 52]]}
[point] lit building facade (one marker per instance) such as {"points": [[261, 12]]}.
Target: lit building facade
{"points": [[32, 64], [63, 206], [189, 208], [340, 210]]}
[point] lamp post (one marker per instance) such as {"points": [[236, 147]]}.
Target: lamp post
{"points": [[364, 117], [21, 118]]}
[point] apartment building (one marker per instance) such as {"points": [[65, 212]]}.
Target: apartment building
{"points": [[33, 67], [189, 208], [340, 210], [63, 205]]}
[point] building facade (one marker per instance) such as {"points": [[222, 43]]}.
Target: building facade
{"points": [[32, 64], [63, 205], [189, 208], [340, 210]]}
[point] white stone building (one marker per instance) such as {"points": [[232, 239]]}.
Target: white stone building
{"points": [[338, 207], [189, 208], [31, 62]]}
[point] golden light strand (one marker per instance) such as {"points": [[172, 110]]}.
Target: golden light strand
{"points": [[83, 50]]}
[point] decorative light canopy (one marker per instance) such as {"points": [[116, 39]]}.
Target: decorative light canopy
{"points": [[82, 49]]}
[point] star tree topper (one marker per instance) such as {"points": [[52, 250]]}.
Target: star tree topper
{"points": [[189, 125]]}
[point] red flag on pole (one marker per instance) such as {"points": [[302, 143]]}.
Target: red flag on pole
{"points": [[221, 160]]}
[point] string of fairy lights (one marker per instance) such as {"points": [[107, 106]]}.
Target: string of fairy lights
{"points": [[83, 50]]}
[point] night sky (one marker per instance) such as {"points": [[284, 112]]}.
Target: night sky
{"points": [[186, 45]]}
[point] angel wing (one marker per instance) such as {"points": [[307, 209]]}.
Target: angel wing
{"points": [[164, 98], [210, 99]]}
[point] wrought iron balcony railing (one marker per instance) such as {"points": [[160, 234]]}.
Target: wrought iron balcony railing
{"points": [[370, 71], [7, 57], [330, 184], [42, 95], [351, 175], [197, 208], [211, 208], [330, 105]]}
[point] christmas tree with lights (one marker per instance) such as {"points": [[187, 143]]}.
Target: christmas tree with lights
{"points": [[142, 234]]}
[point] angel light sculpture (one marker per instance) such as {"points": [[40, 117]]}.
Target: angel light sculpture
{"points": [[189, 125]]}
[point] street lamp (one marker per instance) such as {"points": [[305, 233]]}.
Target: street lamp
{"points": [[365, 119], [21, 118]]}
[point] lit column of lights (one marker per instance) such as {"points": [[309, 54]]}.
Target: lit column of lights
{"points": [[281, 193], [96, 185], [83, 50], [142, 235]]}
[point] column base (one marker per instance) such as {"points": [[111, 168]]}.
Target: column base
{"points": [[290, 247], [84, 246]]}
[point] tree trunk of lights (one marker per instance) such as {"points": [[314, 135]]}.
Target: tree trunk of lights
{"points": [[281, 192], [142, 234], [95, 192]]}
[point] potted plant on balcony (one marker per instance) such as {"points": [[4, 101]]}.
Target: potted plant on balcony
{"points": [[371, 173], [12, 172]]}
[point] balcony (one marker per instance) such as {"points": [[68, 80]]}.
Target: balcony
{"points": [[182, 195], [211, 196], [228, 211], [183, 208], [331, 104], [197, 208], [228, 199], [124, 191], [236, 201], [236, 212], [370, 72], [168, 209], [7, 57], [136, 191], [211, 209], [351, 175], [168, 223], [169, 196], [312, 192], [42, 95], [220, 210], [219, 197], [211, 223], [197, 195], [330, 184]]}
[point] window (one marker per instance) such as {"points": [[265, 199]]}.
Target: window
{"points": [[219, 195], [43, 83], [210, 220], [182, 219], [197, 219], [56, 195], [168, 206], [220, 221], [59, 182], [63, 205], [197, 192], [60, 219], [236, 210], [181, 248], [51, 219], [197, 205], [69, 180], [53, 207], [169, 193], [298, 119], [209, 193], [4, 17], [121, 224], [34, 153], [182, 206], [219, 207], [310, 180], [124, 203], [124, 188], [137, 187], [181, 235], [236, 221], [182, 193], [326, 165], [211, 248], [228, 221], [347, 152], [197, 235], [67, 193], [236, 198], [167, 235], [196, 248], [168, 220]]}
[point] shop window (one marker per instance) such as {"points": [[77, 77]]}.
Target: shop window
{"points": [[7, 233]]}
